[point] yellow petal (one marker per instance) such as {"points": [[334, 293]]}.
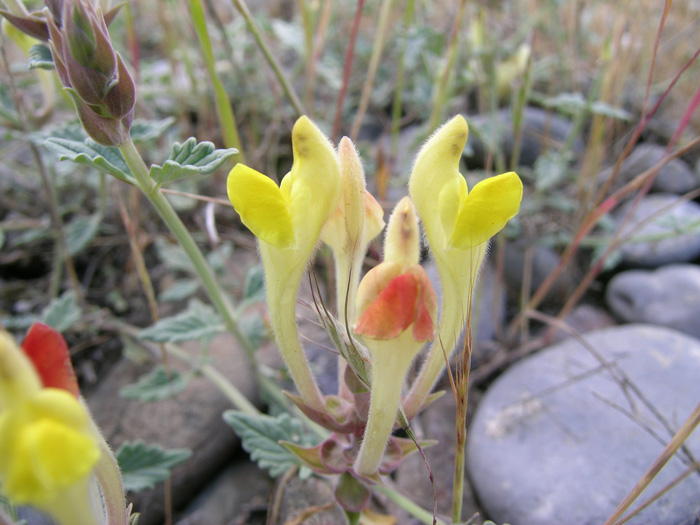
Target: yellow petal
{"points": [[46, 445], [402, 241], [261, 205], [486, 210], [437, 164], [374, 218], [315, 186], [18, 378]]}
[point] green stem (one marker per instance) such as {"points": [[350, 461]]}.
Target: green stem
{"points": [[383, 24], [271, 60], [400, 74], [237, 398], [227, 120], [178, 229], [441, 90], [353, 518], [408, 505]]}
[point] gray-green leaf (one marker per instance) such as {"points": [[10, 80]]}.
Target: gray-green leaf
{"points": [[158, 384], [144, 465], [40, 57], [80, 232], [143, 130], [90, 153], [190, 159], [179, 290], [198, 322], [260, 436], [62, 312]]}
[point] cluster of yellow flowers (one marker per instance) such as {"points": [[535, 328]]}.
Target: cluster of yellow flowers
{"points": [[393, 309]]}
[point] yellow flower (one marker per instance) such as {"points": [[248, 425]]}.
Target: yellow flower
{"points": [[48, 448], [287, 221], [458, 225]]}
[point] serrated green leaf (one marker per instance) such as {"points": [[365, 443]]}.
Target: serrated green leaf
{"points": [[254, 328], [143, 130], [190, 159], [90, 153], [551, 168], [19, 323], [219, 257], [40, 57], [179, 290], [173, 256], [62, 312], [144, 465], [260, 436], [156, 385], [254, 290], [198, 323], [80, 232]]}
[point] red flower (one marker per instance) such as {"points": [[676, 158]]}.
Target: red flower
{"points": [[49, 354]]}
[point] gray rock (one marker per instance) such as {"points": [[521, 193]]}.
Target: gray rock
{"points": [[238, 494], [675, 176], [667, 238], [560, 438], [298, 499], [541, 130], [191, 419], [543, 261], [669, 296], [584, 318]]}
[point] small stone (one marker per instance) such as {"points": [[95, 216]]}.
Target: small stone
{"points": [[669, 296], [584, 318], [662, 240], [311, 499], [541, 130], [237, 495], [190, 419], [561, 437], [676, 176]]}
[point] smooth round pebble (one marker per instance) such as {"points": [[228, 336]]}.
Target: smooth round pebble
{"points": [[661, 240], [669, 296], [561, 437]]}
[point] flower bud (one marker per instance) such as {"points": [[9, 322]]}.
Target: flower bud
{"points": [[91, 71]]}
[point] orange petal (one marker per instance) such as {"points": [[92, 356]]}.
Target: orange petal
{"points": [[426, 307], [393, 311], [49, 354]]}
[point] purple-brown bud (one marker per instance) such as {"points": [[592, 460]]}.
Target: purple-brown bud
{"points": [[91, 71]]}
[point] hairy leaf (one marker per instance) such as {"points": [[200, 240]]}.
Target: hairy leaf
{"points": [[190, 159], [80, 232], [40, 57], [62, 312], [90, 153], [261, 434], [158, 384], [144, 465], [198, 323]]}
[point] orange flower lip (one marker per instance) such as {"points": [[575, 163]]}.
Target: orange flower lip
{"points": [[407, 300], [48, 352]]}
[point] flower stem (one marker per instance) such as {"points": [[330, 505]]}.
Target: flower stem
{"points": [[390, 362], [407, 504], [227, 119], [178, 229], [271, 60]]}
